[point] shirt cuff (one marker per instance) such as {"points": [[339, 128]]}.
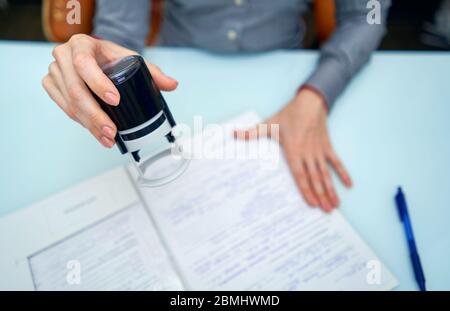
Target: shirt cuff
{"points": [[329, 79]]}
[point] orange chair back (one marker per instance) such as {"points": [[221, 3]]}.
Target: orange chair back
{"points": [[324, 18]]}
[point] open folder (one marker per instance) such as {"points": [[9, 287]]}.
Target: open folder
{"points": [[223, 225]]}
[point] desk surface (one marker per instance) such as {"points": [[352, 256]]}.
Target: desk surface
{"points": [[391, 127]]}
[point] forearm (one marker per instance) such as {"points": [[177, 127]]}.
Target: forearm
{"points": [[123, 22], [348, 49]]}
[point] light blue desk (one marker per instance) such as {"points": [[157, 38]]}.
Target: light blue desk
{"points": [[391, 127]]}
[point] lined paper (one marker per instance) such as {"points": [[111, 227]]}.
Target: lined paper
{"points": [[236, 225]]}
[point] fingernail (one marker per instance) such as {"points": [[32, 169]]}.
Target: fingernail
{"points": [[175, 80], [108, 132], [105, 141], [348, 182], [111, 98], [327, 207]]}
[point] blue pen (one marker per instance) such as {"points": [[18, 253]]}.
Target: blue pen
{"points": [[415, 259]]}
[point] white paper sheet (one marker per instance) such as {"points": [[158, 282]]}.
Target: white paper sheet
{"points": [[121, 252], [237, 225], [95, 236]]}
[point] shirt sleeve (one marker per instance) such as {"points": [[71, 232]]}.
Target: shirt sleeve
{"points": [[123, 22], [349, 48]]}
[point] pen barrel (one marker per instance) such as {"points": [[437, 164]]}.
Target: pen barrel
{"points": [[412, 246], [418, 271]]}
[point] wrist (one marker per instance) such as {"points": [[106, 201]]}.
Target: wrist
{"points": [[313, 96]]}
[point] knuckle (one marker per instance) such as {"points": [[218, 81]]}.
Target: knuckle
{"points": [[332, 156], [301, 174], [298, 171], [317, 183], [52, 68], [328, 184], [74, 91], [309, 158], [329, 149], [321, 168], [303, 183], [58, 51], [45, 82], [330, 189], [319, 191], [317, 152], [79, 37], [338, 164], [93, 132], [71, 113], [307, 194], [80, 60], [314, 175], [76, 111], [94, 116], [324, 172], [332, 159], [305, 190]]}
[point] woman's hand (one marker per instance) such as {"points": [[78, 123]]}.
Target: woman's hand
{"points": [[77, 64], [307, 148]]}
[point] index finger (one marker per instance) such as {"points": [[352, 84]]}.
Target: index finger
{"points": [[85, 63]]}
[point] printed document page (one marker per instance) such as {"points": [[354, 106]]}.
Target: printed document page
{"points": [[242, 225], [121, 252], [95, 236]]}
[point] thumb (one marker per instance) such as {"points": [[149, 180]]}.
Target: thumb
{"points": [[111, 51], [264, 129]]}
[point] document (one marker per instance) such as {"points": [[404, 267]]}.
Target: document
{"points": [[95, 236], [121, 252], [225, 224], [237, 224]]}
